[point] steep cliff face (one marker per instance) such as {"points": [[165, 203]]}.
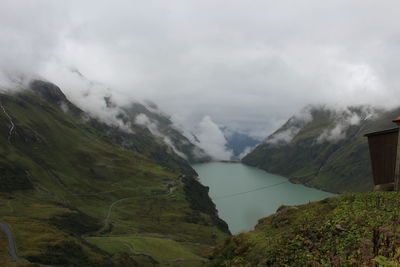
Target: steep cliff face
{"points": [[74, 193], [197, 195], [323, 148]]}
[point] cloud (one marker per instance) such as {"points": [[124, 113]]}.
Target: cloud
{"points": [[30, 34], [292, 127], [169, 143], [212, 140], [90, 96], [249, 65], [333, 135], [142, 119], [283, 136], [344, 119]]}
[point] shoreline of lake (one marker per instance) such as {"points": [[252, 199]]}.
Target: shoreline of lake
{"points": [[251, 193]]}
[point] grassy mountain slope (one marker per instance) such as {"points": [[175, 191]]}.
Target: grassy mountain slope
{"points": [[351, 230], [151, 125], [327, 150], [64, 182]]}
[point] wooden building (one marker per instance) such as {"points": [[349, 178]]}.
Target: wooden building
{"points": [[385, 158]]}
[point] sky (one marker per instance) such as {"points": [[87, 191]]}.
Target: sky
{"points": [[247, 65]]}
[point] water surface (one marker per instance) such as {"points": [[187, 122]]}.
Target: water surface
{"points": [[243, 196]]}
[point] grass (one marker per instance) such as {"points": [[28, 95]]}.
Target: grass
{"points": [[161, 249], [350, 230], [70, 174], [335, 166], [4, 256]]}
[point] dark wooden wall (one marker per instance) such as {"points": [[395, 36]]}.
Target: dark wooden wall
{"points": [[382, 148]]}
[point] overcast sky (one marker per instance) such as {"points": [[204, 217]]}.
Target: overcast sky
{"points": [[246, 64]]}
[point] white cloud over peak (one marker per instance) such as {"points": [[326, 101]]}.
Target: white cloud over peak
{"points": [[212, 140], [248, 64]]}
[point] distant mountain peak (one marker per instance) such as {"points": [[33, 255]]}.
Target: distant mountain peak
{"points": [[54, 95], [48, 91]]}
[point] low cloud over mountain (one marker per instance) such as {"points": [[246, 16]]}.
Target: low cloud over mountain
{"points": [[248, 65]]}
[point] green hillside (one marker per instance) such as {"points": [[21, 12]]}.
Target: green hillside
{"points": [[74, 196], [351, 230], [312, 156]]}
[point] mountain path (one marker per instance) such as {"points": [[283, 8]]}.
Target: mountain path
{"points": [[107, 219], [171, 189], [11, 243]]}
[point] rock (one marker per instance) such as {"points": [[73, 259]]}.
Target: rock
{"points": [[53, 94], [159, 192], [284, 209], [280, 220], [48, 91], [340, 227], [384, 187], [278, 223], [169, 183]]}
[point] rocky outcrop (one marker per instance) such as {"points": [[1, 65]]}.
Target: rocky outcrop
{"points": [[197, 195], [48, 91], [53, 94]]}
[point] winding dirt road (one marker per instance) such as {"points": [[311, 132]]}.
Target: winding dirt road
{"points": [[11, 244], [107, 219]]}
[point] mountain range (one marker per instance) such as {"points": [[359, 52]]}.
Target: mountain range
{"points": [[324, 147], [81, 190], [77, 191]]}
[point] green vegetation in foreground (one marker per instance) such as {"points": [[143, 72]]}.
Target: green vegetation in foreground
{"points": [[338, 166], [59, 176], [351, 230], [164, 251]]}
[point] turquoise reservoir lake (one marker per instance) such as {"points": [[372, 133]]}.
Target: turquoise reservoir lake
{"points": [[245, 194]]}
